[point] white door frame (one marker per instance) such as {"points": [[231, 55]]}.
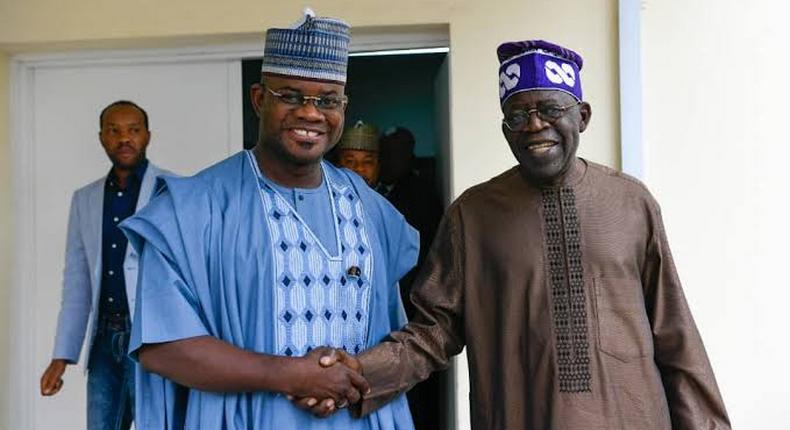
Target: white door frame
{"points": [[632, 151]]}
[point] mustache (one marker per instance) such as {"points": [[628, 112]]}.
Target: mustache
{"points": [[125, 146], [528, 139]]}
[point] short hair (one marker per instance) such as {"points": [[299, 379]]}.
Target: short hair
{"points": [[123, 103]]}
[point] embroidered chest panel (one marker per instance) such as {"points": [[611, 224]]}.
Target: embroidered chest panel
{"points": [[319, 299], [568, 296]]}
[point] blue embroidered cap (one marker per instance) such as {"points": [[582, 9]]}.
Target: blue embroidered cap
{"points": [[538, 65], [314, 48]]}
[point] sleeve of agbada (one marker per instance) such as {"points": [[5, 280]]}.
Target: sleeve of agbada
{"points": [[434, 335], [691, 390]]}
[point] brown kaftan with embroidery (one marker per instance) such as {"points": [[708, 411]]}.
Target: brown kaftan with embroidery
{"points": [[570, 308]]}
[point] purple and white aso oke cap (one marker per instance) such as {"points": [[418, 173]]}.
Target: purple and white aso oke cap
{"points": [[538, 65]]}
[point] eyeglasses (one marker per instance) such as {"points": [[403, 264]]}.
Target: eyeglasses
{"points": [[328, 103], [516, 120]]}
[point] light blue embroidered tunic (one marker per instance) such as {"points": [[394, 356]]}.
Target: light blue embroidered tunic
{"points": [[226, 253]]}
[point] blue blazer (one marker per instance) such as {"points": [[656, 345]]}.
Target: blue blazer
{"points": [[82, 272]]}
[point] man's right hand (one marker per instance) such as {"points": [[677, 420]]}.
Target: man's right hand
{"points": [[311, 379], [52, 379], [327, 406]]}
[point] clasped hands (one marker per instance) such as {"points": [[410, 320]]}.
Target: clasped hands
{"points": [[329, 379]]}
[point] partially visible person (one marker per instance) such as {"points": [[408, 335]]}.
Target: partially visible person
{"points": [[100, 274], [413, 194], [358, 150], [254, 264]]}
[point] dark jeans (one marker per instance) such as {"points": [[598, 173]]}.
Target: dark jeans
{"points": [[111, 377]]}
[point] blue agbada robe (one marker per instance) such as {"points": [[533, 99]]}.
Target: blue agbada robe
{"points": [[207, 268]]}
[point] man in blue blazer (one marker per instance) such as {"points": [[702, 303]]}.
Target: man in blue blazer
{"points": [[100, 275]]}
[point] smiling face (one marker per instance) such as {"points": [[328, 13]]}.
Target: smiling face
{"points": [[297, 135], [545, 150], [124, 136]]}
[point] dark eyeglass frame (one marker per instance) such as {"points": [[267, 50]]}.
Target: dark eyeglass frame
{"points": [[330, 103], [545, 113]]}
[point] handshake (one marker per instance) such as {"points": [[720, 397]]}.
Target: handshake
{"points": [[326, 380]]}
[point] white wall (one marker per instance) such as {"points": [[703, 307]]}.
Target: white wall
{"points": [[195, 117], [716, 109]]}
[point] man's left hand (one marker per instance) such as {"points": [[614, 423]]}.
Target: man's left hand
{"points": [[327, 407]]}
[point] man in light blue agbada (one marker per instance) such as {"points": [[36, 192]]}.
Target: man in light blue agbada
{"points": [[254, 265]]}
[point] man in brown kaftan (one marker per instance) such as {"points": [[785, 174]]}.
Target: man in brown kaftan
{"points": [[557, 277]]}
